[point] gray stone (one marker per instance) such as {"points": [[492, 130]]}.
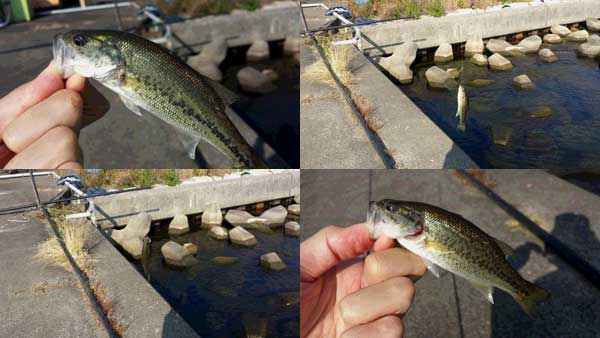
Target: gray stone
{"points": [[552, 38], [292, 229], [593, 24], [225, 260], [177, 255], [191, 248], [499, 62], [402, 73], [179, 225], [443, 54], [130, 238], [212, 216], [546, 55], [218, 233], [253, 81], [294, 209], [216, 51], [523, 82], [241, 236], [398, 65], [480, 60], [439, 78], [258, 51], [275, 216], [590, 49], [497, 46], [206, 68], [271, 74], [478, 83], [272, 262], [578, 36], [238, 217], [474, 45], [531, 44], [291, 45], [560, 30]]}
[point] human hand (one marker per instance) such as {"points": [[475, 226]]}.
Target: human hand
{"points": [[40, 121], [346, 296]]}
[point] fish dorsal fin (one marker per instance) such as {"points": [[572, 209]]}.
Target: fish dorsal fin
{"points": [[506, 249], [486, 290], [131, 106], [433, 268], [227, 95]]}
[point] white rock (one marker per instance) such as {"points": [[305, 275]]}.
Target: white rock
{"points": [[522, 82], [560, 30], [499, 62], [179, 225], [291, 45], [131, 237], [552, 38], [241, 236], [443, 54], [297, 198], [474, 45], [402, 73], [531, 44], [546, 55], [579, 36], [497, 46], [216, 51], [218, 233], [253, 81], [212, 216], [439, 78], [593, 24], [258, 51], [271, 74], [590, 49], [294, 209], [292, 229], [192, 249], [177, 255], [480, 60], [275, 216], [454, 73], [206, 68], [238, 217], [272, 261], [398, 65]]}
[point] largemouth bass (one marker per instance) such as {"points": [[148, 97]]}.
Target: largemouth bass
{"points": [[146, 256], [463, 108], [147, 76], [447, 240]]}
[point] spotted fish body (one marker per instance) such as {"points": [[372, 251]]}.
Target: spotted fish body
{"points": [[150, 77], [463, 108], [447, 240]]}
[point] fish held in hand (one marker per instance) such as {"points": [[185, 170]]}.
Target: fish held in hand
{"points": [[150, 77], [447, 240], [463, 108]]}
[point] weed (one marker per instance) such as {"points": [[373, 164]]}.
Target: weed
{"points": [[436, 8]]}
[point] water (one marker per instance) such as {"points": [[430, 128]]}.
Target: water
{"points": [[569, 88], [229, 301]]}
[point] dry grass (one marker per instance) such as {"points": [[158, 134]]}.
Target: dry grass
{"points": [[145, 178], [108, 306], [368, 113]]}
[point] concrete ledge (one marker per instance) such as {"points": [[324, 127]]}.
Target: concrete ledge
{"points": [[430, 32], [193, 198], [413, 140], [241, 28], [137, 308]]}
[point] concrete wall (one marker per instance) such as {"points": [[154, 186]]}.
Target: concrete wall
{"points": [[242, 27], [431, 32], [163, 203]]}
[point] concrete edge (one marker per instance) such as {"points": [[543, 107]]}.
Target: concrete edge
{"points": [[135, 308], [411, 138], [228, 191]]}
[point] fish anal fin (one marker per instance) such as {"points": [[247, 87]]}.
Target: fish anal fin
{"points": [[506, 249], [486, 290], [189, 143], [131, 106]]}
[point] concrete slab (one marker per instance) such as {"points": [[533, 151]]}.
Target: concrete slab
{"points": [[339, 198], [331, 136]]}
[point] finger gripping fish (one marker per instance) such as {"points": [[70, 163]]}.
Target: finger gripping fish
{"points": [[447, 240], [148, 76]]}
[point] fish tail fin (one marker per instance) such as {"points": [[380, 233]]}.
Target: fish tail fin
{"points": [[462, 127], [530, 299]]}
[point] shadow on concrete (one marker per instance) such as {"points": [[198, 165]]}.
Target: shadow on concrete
{"points": [[566, 300], [455, 158]]}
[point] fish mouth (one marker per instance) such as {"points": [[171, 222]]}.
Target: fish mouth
{"points": [[59, 51], [373, 217]]}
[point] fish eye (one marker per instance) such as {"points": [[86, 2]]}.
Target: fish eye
{"points": [[80, 40], [390, 207]]}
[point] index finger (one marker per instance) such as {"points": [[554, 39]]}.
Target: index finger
{"points": [[29, 94]]}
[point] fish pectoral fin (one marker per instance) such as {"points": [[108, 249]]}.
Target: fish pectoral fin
{"points": [[189, 143], [433, 268], [486, 290], [131, 106], [506, 249]]}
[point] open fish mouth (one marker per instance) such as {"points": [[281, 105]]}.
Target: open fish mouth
{"points": [[59, 49], [373, 218]]}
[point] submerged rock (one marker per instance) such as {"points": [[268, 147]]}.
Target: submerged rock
{"points": [[238, 217], [177, 255], [439, 78], [560, 30], [253, 81], [544, 112], [131, 237], [455, 73], [272, 262], [578, 36], [552, 38], [443, 54], [208, 69], [523, 82], [192, 249], [497, 46], [546, 55], [530, 44], [402, 73], [593, 24], [499, 62], [501, 135], [474, 45], [479, 60], [275, 216], [218, 232], [212, 216], [225, 260], [292, 229], [241, 236], [480, 82], [179, 225], [258, 51], [590, 49]]}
